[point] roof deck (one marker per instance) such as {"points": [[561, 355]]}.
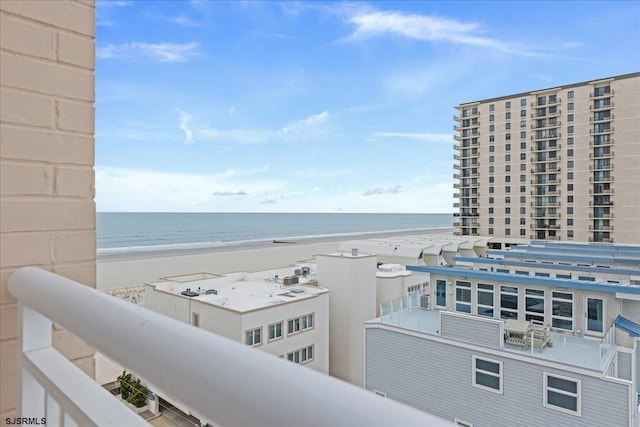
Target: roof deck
{"points": [[242, 291], [566, 349]]}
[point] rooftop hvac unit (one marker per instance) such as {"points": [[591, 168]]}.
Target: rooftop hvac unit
{"points": [[305, 271], [288, 281], [211, 292], [298, 272], [294, 280]]}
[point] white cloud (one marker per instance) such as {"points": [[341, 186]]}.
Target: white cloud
{"points": [[185, 119], [427, 28], [162, 52], [542, 77], [122, 189], [377, 191], [434, 137], [304, 129]]}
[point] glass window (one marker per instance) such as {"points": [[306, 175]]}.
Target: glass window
{"points": [[275, 331], [507, 104], [508, 302], [492, 117], [492, 107], [484, 306], [570, 94], [303, 355], [463, 296], [299, 324], [534, 305], [487, 374], [562, 310], [253, 336], [441, 293], [507, 115], [523, 102], [562, 393], [570, 107]]}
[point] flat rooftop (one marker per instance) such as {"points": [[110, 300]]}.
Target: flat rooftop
{"points": [[244, 291]]}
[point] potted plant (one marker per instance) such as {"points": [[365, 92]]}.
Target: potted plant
{"points": [[133, 392]]}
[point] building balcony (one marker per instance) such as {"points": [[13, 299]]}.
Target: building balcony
{"points": [[210, 374], [601, 132], [602, 119], [415, 313], [601, 191], [456, 147], [456, 185], [602, 95], [608, 166], [456, 176], [556, 147], [601, 228], [603, 180], [601, 216], [601, 107], [603, 203], [601, 156], [456, 205], [555, 124], [456, 118]]}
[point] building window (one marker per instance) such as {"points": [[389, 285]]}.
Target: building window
{"points": [[523, 156], [507, 115], [491, 221], [570, 175], [570, 152], [562, 310], [487, 374], [492, 148], [275, 331], [570, 107], [490, 190], [562, 394], [507, 232], [300, 324], [523, 199], [523, 102], [253, 337], [570, 94], [570, 211], [490, 210], [463, 296], [507, 126], [491, 169], [507, 189], [491, 159], [491, 117], [570, 163], [569, 187], [301, 356], [490, 200], [569, 199], [570, 117], [523, 135], [492, 138], [492, 107], [507, 221], [485, 300], [523, 167], [195, 319], [491, 128], [490, 231], [507, 157], [570, 234], [570, 222], [507, 168], [507, 211], [491, 179], [523, 123], [523, 211], [507, 137], [508, 302], [441, 293], [507, 200], [570, 140], [523, 232], [507, 104], [570, 129], [534, 305]]}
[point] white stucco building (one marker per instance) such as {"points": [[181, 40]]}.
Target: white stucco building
{"points": [[281, 311]]}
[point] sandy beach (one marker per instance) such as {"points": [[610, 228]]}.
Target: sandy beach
{"points": [[135, 269]]}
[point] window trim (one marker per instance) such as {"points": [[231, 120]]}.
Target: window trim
{"points": [[500, 375], [300, 328], [253, 336], [578, 394], [291, 356], [275, 338]]}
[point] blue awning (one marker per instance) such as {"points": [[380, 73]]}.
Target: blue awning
{"points": [[628, 326]]}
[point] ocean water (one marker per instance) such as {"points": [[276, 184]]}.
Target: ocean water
{"points": [[139, 232]]}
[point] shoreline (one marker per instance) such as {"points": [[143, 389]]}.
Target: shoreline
{"points": [[137, 268], [160, 253]]}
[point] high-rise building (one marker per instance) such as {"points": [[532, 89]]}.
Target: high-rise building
{"points": [[561, 163]]}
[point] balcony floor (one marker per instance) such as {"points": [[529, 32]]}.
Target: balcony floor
{"points": [[567, 349]]}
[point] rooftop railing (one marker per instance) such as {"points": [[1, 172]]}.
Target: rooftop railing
{"points": [[223, 381]]}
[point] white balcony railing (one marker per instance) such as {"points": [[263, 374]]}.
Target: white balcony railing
{"points": [[224, 381]]}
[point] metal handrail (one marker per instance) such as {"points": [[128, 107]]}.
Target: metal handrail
{"points": [[220, 379]]}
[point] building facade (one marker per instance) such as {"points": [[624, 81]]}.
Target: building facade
{"points": [[506, 342], [554, 164], [47, 205], [265, 310]]}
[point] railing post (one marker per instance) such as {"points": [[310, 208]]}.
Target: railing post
{"points": [[34, 332]]}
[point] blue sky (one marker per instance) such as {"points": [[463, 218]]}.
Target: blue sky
{"points": [[321, 107]]}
